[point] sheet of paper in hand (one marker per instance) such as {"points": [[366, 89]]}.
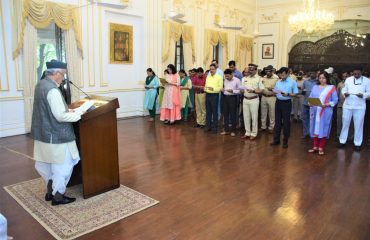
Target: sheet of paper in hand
{"points": [[314, 102], [277, 91], [163, 81], [84, 107]]}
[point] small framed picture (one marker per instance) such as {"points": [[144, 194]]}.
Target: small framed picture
{"points": [[268, 51]]}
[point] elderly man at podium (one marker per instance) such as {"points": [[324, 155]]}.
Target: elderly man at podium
{"points": [[55, 149]]}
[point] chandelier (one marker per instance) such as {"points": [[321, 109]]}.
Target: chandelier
{"points": [[311, 19], [355, 40]]}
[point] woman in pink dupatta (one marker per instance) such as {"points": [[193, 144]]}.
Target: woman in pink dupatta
{"points": [[321, 117], [171, 107]]}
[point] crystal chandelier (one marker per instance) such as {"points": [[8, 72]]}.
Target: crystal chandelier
{"points": [[355, 40], [311, 19]]}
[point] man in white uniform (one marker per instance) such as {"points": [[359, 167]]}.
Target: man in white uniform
{"points": [[253, 85], [55, 149], [356, 89]]}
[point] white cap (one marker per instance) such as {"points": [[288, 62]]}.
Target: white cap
{"points": [[329, 70]]}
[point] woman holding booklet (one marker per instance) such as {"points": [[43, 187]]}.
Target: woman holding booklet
{"points": [[171, 108], [151, 93], [322, 100]]}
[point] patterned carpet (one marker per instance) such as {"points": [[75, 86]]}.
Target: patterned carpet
{"points": [[83, 216]]}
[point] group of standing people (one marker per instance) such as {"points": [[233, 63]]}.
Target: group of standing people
{"points": [[238, 96]]}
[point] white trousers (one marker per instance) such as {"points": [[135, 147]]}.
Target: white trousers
{"points": [[250, 114], [3, 228], [59, 173], [358, 120]]}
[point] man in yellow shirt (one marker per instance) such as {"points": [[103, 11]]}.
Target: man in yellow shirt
{"points": [[213, 86]]}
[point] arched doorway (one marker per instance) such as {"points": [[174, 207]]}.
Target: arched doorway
{"points": [[329, 51]]}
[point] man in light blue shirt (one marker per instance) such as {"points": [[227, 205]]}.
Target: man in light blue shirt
{"points": [[236, 72], [306, 91], [285, 89], [218, 70]]}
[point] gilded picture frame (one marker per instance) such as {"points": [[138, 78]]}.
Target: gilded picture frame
{"points": [[268, 51], [120, 44]]}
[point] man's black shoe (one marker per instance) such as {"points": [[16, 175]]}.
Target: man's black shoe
{"points": [[341, 145], [285, 145], [48, 197], [62, 200], [358, 148], [274, 143]]}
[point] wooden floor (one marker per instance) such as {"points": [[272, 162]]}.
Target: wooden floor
{"points": [[217, 187]]}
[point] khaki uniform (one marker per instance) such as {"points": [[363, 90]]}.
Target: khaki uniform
{"points": [[268, 103], [251, 103]]}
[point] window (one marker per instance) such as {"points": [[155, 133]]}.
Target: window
{"points": [[50, 45], [216, 50], [217, 54], [179, 54]]}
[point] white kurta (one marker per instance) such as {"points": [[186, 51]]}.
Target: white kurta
{"points": [[354, 107], [56, 161], [362, 86], [55, 153]]}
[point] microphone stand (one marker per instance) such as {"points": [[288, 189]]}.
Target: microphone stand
{"points": [[79, 89]]}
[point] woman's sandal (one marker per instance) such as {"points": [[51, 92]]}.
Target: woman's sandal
{"points": [[321, 152], [312, 150]]}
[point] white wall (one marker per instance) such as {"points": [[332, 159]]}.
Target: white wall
{"points": [[11, 99], [124, 81]]}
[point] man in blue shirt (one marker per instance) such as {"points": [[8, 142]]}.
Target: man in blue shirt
{"points": [[306, 91], [236, 72], [285, 89]]}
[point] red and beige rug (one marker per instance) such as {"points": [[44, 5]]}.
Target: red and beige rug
{"points": [[70, 221]]}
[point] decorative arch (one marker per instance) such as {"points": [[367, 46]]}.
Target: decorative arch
{"points": [[329, 51]]}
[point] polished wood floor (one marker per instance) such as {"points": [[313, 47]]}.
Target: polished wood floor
{"points": [[217, 187]]}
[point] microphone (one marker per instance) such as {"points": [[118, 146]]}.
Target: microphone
{"points": [[78, 88]]}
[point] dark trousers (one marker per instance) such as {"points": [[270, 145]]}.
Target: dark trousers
{"points": [[212, 110], [240, 112], [153, 112], [305, 117], [367, 122], [229, 109], [283, 108]]}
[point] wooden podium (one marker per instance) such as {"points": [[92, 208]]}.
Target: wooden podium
{"points": [[96, 137]]}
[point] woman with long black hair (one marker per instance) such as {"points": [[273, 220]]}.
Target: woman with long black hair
{"points": [[151, 93]]}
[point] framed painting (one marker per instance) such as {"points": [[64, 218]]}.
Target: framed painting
{"points": [[268, 51], [120, 44]]}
